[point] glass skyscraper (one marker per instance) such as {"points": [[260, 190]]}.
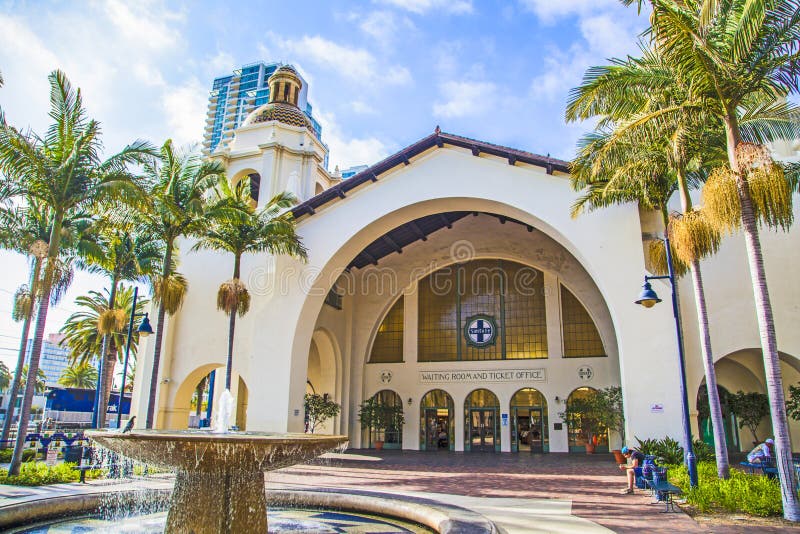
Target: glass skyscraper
{"points": [[233, 97]]}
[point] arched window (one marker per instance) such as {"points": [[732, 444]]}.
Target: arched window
{"points": [[388, 344], [482, 310], [437, 421], [582, 428], [529, 428], [255, 186], [481, 421], [391, 437], [581, 338]]}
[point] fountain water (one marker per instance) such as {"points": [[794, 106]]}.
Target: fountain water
{"points": [[222, 421], [219, 483]]}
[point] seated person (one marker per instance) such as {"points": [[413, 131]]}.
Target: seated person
{"points": [[635, 459], [762, 452]]}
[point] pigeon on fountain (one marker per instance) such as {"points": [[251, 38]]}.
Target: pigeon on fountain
{"points": [[129, 425]]}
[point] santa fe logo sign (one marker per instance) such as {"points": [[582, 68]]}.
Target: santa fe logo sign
{"points": [[480, 331]]}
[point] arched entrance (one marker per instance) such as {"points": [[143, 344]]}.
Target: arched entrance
{"points": [[322, 376], [391, 437], [529, 428], [728, 418], [202, 388], [482, 425], [581, 429], [437, 421]]}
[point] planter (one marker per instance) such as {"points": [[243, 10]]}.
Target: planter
{"points": [[619, 457], [589, 447], [378, 445]]}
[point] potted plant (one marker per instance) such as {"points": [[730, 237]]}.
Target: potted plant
{"points": [[319, 408], [585, 413], [612, 415], [380, 417]]}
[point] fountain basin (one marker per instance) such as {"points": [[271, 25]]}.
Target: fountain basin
{"points": [[219, 478]]}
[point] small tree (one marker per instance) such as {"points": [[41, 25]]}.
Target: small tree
{"points": [[585, 413], [380, 417], [793, 402], [319, 408], [749, 408], [612, 414]]}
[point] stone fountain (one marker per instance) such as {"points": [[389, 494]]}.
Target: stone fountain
{"points": [[219, 484]]}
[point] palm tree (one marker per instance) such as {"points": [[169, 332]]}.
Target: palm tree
{"points": [[732, 54], [177, 184], [83, 376], [40, 385], [238, 228], [29, 230], [86, 331], [63, 171], [120, 256], [675, 140]]}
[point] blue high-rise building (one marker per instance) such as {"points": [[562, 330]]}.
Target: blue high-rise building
{"points": [[233, 97]]}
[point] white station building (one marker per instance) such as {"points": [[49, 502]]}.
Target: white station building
{"points": [[450, 279]]}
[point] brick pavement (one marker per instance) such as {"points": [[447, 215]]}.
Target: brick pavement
{"points": [[591, 482]]}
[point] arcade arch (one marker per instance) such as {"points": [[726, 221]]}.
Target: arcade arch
{"points": [[437, 421], [580, 430], [189, 397]]}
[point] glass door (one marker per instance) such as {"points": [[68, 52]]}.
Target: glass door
{"points": [[482, 430]]}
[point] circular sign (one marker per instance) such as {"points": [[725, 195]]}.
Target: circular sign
{"points": [[480, 331], [386, 376], [585, 373]]}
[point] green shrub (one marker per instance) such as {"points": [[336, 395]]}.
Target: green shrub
{"points": [[27, 455], [39, 474], [742, 492], [703, 451], [666, 450]]}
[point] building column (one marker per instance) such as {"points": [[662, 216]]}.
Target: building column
{"points": [[555, 351], [411, 430]]}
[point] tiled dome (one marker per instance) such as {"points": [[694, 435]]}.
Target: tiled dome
{"points": [[281, 112]]}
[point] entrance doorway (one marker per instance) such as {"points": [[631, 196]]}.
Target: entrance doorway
{"points": [[529, 430], [482, 427], [437, 425], [482, 430]]}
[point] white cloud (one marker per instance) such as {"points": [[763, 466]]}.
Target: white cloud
{"points": [[383, 26], [420, 7], [348, 151], [550, 10], [220, 63], [463, 99], [185, 111], [362, 108], [353, 63], [146, 22]]}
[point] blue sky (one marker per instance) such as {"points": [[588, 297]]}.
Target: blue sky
{"points": [[381, 73]]}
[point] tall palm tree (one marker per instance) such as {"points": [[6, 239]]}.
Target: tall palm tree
{"points": [[28, 228], [238, 228], [120, 256], [83, 376], [732, 53], [63, 170], [635, 119], [177, 184]]}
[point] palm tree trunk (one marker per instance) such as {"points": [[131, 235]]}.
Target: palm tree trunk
{"points": [[151, 402], [766, 328], [104, 379], [715, 409], [232, 326], [38, 338], [23, 347]]}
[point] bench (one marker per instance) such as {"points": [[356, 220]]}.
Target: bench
{"points": [[666, 492]]}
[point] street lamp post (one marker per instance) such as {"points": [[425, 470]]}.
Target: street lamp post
{"points": [[144, 330], [648, 299]]}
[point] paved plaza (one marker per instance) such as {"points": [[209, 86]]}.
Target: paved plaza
{"points": [[549, 493]]}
